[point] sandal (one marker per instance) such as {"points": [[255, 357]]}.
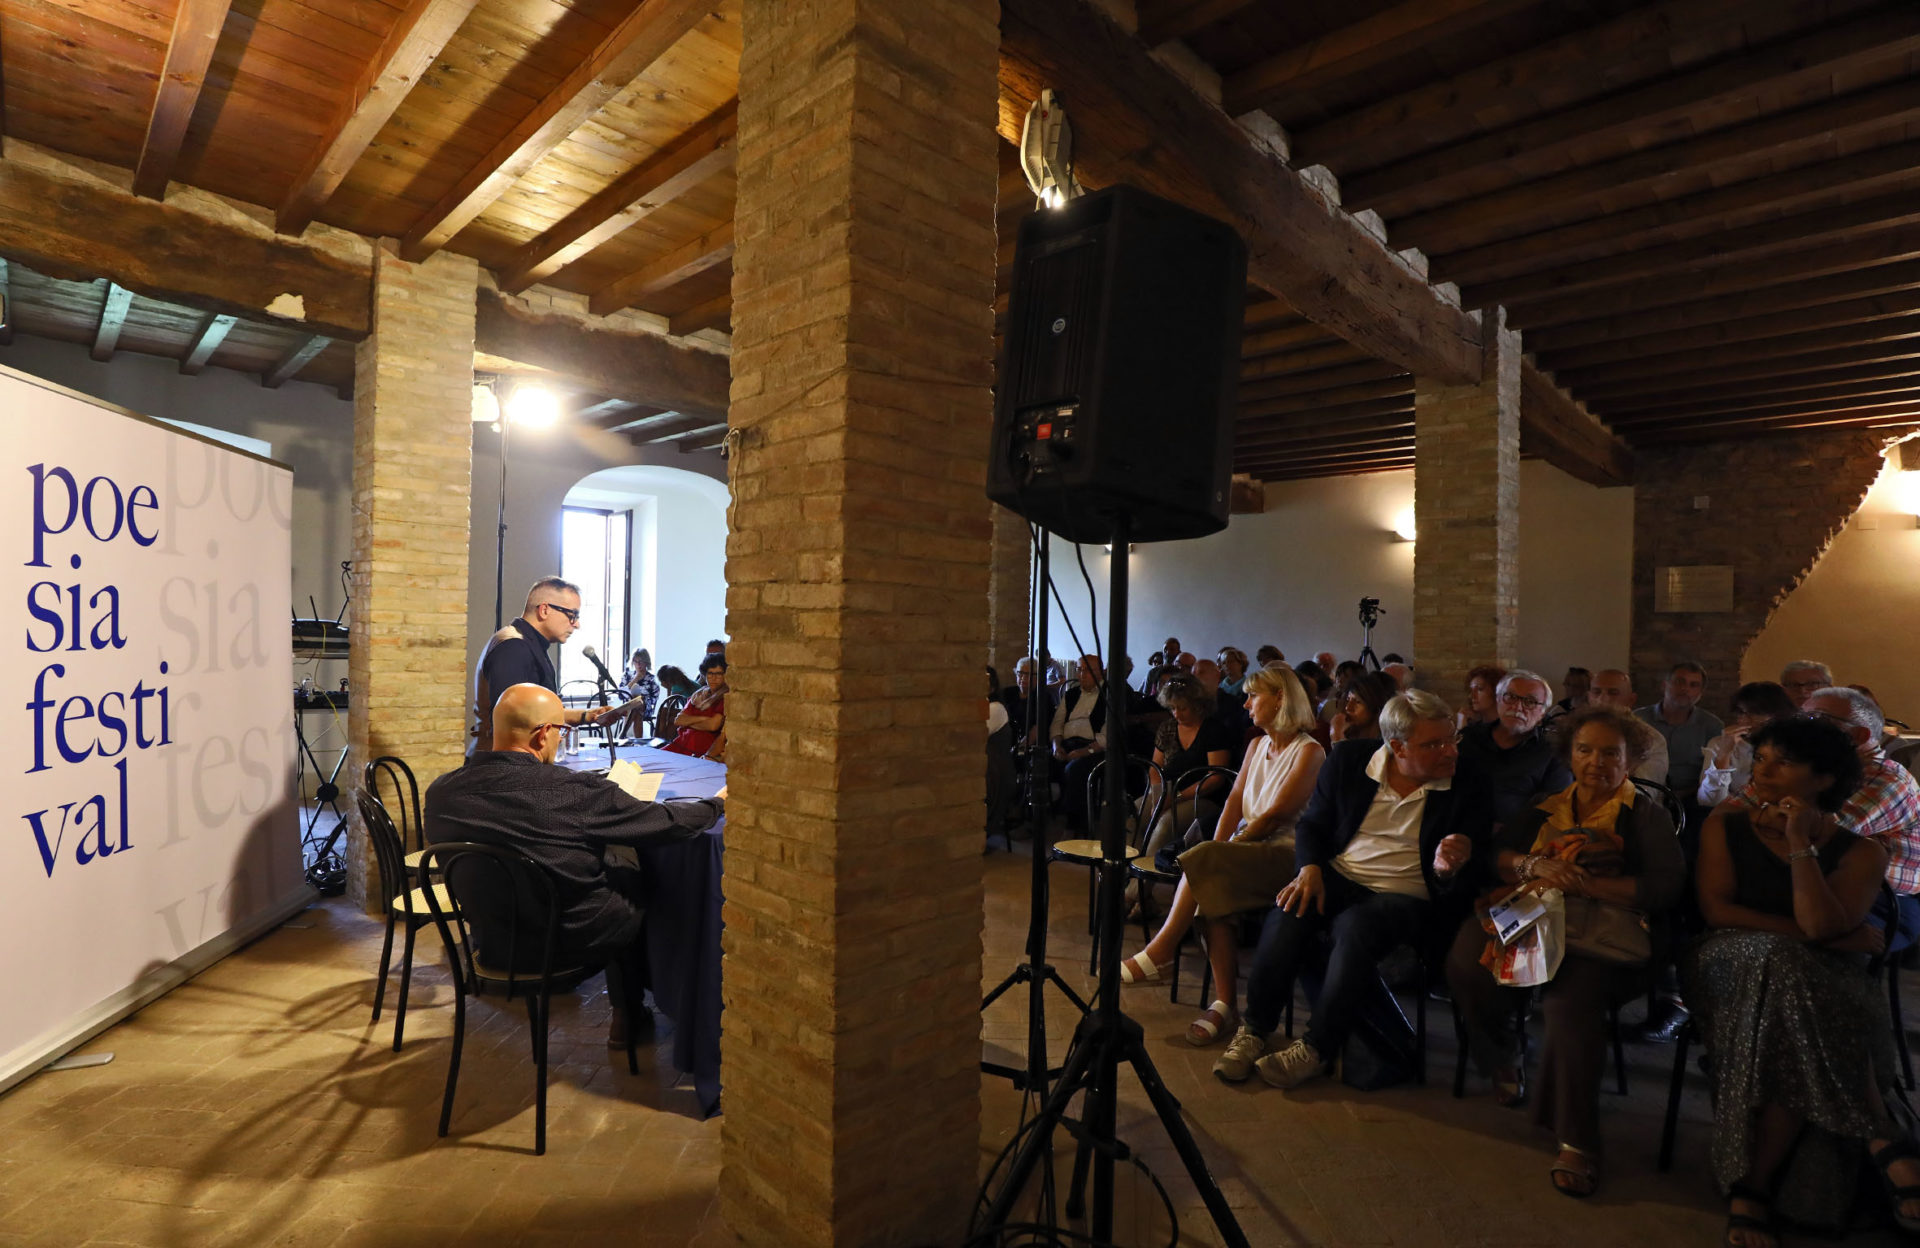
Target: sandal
{"points": [[1583, 1178], [1746, 1221], [1211, 1025], [1898, 1194], [1510, 1086], [1140, 969]]}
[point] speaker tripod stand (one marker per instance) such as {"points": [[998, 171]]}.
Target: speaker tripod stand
{"points": [[1106, 1037]]}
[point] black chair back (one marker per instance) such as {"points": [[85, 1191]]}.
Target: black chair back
{"points": [[387, 850], [670, 708], [404, 809], [1665, 796], [1200, 775], [1097, 793], [503, 898]]}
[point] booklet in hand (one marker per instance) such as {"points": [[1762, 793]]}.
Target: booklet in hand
{"points": [[639, 785], [1512, 917]]}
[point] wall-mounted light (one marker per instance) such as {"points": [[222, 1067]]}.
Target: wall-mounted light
{"points": [[1403, 528]]}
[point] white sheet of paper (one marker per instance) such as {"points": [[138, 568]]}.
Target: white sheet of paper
{"points": [[1515, 915], [642, 786]]}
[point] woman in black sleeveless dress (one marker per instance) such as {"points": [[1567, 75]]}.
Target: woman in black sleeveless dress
{"points": [[1795, 1021]]}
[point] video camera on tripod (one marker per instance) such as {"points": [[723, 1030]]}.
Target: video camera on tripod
{"points": [[1370, 613]]}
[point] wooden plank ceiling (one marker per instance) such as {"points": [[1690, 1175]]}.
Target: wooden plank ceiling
{"points": [[1701, 214]]}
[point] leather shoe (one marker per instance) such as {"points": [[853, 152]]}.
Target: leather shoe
{"points": [[1664, 1027]]}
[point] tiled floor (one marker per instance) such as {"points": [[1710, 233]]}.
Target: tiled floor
{"points": [[256, 1106]]}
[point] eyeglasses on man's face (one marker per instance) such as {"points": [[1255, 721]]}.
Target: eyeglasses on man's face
{"points": [[1520, 702], [572, 614]]}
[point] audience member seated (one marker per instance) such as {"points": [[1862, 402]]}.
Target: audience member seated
{"points": [[1252, 851], [1386, 849], [642, 691], [1002, 782], [1728, 761], [676, 682], [1401, 672], [1602, 845], [1796, 1025], [1360, 703], [1512, 750], [513, 795], [1031, 713], [1193, 738], [1229, 711], [1314, 679], [1079, 736], [1802, 676], [1483, 693], [1574, 686], [1687, 728], [1325, 659], [1886, 806], [1613, 687], [1233, 662], [1268, 654], [703, 719]]}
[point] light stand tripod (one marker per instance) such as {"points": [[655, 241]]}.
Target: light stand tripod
{"points": [[1106, 1036], [1035, 972]]}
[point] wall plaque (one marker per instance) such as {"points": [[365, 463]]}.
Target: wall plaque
{"points": [[1693, 587]]}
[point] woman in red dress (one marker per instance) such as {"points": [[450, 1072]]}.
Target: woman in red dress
{"points": [[705, 715]]}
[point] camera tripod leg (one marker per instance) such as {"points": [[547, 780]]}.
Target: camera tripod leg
{"points": [[1167, 1106]]}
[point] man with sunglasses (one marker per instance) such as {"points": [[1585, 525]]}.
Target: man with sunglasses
{"points": [[517, 655], [1512, 750]]}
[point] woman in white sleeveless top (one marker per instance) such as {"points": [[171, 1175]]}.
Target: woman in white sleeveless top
{"points": [[1250, 858]]}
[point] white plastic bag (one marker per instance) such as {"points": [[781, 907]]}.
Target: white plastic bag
{"points": [[1534, 957]]}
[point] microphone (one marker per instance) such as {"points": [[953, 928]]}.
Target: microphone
{"points": [[593, 656]]}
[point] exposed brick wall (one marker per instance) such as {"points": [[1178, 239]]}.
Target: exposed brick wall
{"points": [[1774, 506], [857, 568], [1466, 505], [1008, 592], [412, 476]]}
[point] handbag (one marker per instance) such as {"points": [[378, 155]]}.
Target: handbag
{"points": [[1606, 933], [1167, 861]]}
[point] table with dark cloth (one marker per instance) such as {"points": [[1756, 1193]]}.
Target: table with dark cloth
{"points": [[681, 894]]}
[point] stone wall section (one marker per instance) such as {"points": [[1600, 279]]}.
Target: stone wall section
{"points": [[857, 571], [1772, 507], [412, 478], [1466, 579]]}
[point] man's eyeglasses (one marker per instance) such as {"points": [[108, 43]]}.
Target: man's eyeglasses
{"points": [[1516, 700], [573, 616], [1822, 716]]}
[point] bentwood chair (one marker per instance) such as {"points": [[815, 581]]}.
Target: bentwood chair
{"points": [[505, 889], [404, 808], [670, 708], [403, 905], [1088, 852], [1149, 874]]}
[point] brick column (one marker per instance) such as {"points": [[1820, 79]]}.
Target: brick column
{"points": [[412, 476], [1466, 506], [857, 602], [1010, 584]]}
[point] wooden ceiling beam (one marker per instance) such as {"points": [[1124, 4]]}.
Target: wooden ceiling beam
{"points": [[1729, 278], [1859, 393], [693, 439], [1711, 430], [1268, 312], [1135, 120], [1762, 388], [196, 32], [1831, 183], [691, 258], [715, 313], [1320, 474], [1355, 49], [77, 229], [1789, 349], [417, 37], [643, 418], [1328, 402], [1360, 415], [1255, 343], [649, 29], [1161, 20], [648, 368], [1809, 293], [1555, 74], [1369, 372], [1400, 432], [602, 410], [1538, 147], [679, 427], [1557, 429], [206, 340], [1629, 383], [297, 358], [686, 162], [1642, 347], [1330, 463], [1646, 176], [6, 304], [1324, 356], [1862, 220], [113, 318]]}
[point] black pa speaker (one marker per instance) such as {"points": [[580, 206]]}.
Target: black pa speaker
{"points": [[1118, 369]]}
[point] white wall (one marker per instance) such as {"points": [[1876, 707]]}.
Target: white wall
{"points": [[1294, 575], [679, 589], [1857, 609]]}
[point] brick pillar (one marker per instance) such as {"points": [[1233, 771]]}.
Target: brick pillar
{"points": [[857, 603], [1010, 585], [1466, 506], [412, 475]]}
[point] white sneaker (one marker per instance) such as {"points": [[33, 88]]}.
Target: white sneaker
{"points": [[1292, 1066], [1242, 1052]]}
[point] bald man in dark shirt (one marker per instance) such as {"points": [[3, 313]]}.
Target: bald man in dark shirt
{"points": [[513, 795]]}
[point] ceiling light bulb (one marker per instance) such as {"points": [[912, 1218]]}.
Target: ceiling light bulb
{"points": [[533, 406]]}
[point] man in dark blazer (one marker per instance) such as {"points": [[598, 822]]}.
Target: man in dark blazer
{"points": [[1386, 849]]}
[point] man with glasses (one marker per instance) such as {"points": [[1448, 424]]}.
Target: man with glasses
{"points": [[517, 655], [1802, 677], [1512, 750], [1687, 730], [1886, 806]]}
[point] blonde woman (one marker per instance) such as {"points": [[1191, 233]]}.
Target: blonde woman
{"points": [[1250, 857]]}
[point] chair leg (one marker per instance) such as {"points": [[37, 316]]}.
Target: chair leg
{"points": [[1670, 1127], [1619, 1050], [1460, 1051], [386, 961], [453, 1062], [1899, 1023], [1420, 1034], [537, 1026], [406, 979]]}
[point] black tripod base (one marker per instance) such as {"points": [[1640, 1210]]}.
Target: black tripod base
{"points": [[1035, 1074], [1100, 1044]]}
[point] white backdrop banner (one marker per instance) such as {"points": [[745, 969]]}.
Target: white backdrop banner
{"points": [[146, 719]]}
